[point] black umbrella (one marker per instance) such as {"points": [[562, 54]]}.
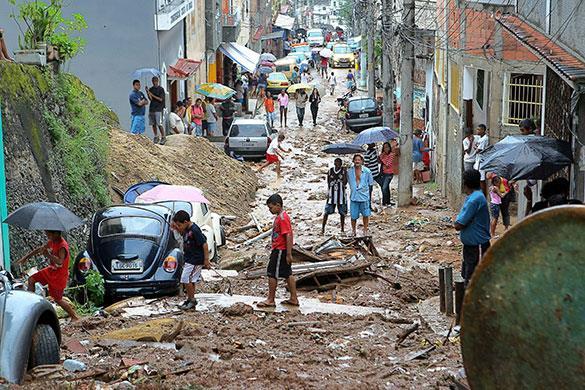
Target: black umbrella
{"points": [[44, 216], [342, 148], [519, 157]]}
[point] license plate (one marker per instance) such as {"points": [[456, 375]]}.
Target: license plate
{"points": [[364, 115], [248, 144], [127, 266]]}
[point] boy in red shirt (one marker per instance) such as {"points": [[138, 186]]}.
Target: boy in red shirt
{"points": [[280, 262], [57, 273]]}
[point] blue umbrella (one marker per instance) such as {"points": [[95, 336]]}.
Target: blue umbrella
{"points": [[374, 135], [145, 73], [342, 148]]}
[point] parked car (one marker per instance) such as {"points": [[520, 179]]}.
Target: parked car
{"points": [[286, 65], [301, 48], [315, 37], [30, 334], [342, 57], [362, 113], [248, 138], [135, 250], [277, 81]]}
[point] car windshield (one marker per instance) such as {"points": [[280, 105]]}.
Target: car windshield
{"points": [[248, 130], [278, 77], [178, 206], [361, 104], [341, 49], [130, 226]]}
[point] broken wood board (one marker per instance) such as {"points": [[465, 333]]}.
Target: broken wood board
{"points": [[214, 302], [329, 278], [305, 268], [159, 330]]}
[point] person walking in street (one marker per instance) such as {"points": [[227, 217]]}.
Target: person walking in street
{"points": [[227, 109], [211, 117], [262, 84], [387, 161], [473, 224], [197, 115], [195, 255], [359, 179], [506, 189], [332, 83], [279, 265], [269, 108], [372, 162], [336, 183], [273, 153], [295, 76], [305, 77], [483, 142], [314, 100], [300, 103], [175, 119], [253, 84], [469, 149], [137, 104], [56, 275], [324, 66], [156, 94], [417, 156], [283, 105], [350, 79]]}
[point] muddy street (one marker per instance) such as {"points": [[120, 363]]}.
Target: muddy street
{"points": [[360, 331]]}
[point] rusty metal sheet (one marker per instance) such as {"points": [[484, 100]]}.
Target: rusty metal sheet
{"points": [[523, 320]]}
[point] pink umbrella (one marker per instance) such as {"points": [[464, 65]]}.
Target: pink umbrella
{"points": [[165, 192]]}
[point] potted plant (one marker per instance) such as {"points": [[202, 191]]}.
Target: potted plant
{"points": [[45, 34]]}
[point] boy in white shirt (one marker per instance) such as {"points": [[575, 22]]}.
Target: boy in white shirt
{"points": [[273, 153]]}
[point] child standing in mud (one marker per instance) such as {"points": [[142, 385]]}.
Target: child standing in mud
{"points": [[280, 263]]}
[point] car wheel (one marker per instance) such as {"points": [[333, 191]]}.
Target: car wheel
{"points": [[44, 347]]}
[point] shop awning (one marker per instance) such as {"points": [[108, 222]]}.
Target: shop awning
{"points": [[285, 22], [183, 69], [273, 35], [246, 58]]}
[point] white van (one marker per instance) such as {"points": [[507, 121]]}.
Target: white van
{"points": [[315, 37]]}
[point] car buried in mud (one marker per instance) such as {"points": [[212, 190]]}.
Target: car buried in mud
{"points": [[135, 250], [29, 330]]}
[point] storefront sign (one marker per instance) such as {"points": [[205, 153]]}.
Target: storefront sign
{"points": [[172, 13]]}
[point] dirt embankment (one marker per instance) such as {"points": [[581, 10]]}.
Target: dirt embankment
{"points": [[229, 185]]}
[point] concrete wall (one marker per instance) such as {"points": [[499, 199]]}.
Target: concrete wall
{"points": [[195, 25], [567, 18], [535, 11]]}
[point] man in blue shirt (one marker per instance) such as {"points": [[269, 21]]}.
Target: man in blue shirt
{"points": [[360, 179], [418, 147], [137, 104], [473, 224]]}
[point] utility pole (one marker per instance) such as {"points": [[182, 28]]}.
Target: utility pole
{"points": [[371, 13], [406, 94], [364, 34], [387, 69]]}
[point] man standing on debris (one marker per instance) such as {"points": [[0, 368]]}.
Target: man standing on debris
{"points": [[473, 224], [195, 254], [137, 104], [280, 263], [373, 164], [336, 182], [211, 117], [360, 179], [156, 94]]}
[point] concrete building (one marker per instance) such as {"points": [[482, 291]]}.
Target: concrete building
{"points": [[483, 76], [123, 36], [552, 30]]}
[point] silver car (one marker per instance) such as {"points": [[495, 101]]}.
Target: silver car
{"points": [[248, 138]]}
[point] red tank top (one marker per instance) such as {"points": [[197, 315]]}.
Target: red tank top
{"points": [[60, 275]]}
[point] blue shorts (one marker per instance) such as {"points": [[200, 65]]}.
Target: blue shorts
{"points": [[495, 210], [330, 209], [137, 125], [198, 129], [211, 128], [357, 208]]}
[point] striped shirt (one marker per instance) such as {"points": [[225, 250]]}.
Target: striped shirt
{"points": [[336, 193], [371, 161]]}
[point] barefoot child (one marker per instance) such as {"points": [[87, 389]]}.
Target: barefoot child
{"points": [[280, 262], [195, 253], [274, 152], [495, 203], [54, 276]]}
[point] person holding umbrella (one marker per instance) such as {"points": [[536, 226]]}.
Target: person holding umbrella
{"points": [[336, 183], [314, 101], [54, 276]]}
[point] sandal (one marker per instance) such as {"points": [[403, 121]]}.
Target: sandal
{"points": [[264, 304], [289, 302]]}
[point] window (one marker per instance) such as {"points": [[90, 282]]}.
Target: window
{"points": [[524, 97], [248, 130], [177, 206], [341, 49], [361, 105], [479, 87], [204, 209], [134, 226]]}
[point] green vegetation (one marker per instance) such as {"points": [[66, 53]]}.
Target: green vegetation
{"points": [[81, 138], [346, 12], [41, 22]]}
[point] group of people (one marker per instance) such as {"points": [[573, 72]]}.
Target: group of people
{"points": [[187, 117], [301, 98]]}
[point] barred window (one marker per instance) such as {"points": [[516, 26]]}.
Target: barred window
{"points": [[524, 97]]}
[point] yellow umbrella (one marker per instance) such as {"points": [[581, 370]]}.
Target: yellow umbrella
{"points": [[295, 87], [215, 90]]}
